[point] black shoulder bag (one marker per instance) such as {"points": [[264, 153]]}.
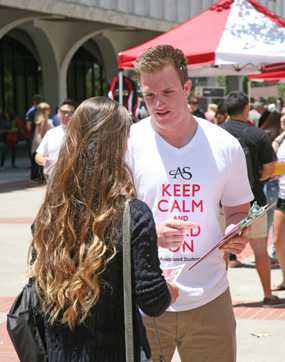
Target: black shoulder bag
{"points": [[25, 325]]}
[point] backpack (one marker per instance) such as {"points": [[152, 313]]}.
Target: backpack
{"points": [[247, 154]]}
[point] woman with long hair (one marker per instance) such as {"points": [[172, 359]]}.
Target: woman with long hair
{"points": [[78, 243], [42, 125], [272, 127], [279, 214]]}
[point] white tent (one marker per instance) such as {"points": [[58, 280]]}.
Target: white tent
{"points": [[233, 37]]}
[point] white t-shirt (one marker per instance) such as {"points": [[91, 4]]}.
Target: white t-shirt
{"points": [[187, 184], [254, 116], [51, 144]]}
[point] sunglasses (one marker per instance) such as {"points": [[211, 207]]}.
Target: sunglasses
{"points": [[70, 113]]}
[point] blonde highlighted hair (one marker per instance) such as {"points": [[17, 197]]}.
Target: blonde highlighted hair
{"points": [[76, 229], [41, 115]]}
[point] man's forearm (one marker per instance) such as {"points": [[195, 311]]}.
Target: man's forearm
{"points": [[234, 215], [235, 219]]}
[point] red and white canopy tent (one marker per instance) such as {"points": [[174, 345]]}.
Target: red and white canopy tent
{"points": [[232, 37], [274, 73]]}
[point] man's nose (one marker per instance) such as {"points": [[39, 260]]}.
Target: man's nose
{"points": [[159, 101]]}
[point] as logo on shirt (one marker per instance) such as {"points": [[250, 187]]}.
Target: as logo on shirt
{"points": [[185, 174]]}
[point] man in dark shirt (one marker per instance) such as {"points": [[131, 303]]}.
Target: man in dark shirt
{"points": [[262, 157], [30, 121], [196, 111]]}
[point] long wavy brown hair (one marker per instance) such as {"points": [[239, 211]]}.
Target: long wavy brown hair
{"points": [[76, 227]]}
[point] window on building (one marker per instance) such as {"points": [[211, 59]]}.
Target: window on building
{"points": [[20, 76], [85, 76]]}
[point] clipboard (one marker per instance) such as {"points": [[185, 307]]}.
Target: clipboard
{"points": [[236, 230]]}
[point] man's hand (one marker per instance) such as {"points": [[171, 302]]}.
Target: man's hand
{"points": [[172, 233], [238, 242], [234, 215], [46, 161], [42, 160]]}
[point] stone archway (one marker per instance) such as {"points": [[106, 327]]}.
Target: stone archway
{"points": [[20, 74]]}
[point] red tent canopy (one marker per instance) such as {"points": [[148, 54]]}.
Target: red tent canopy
{"points": [[268, 76], [272, 73], [198, 46], [231, 34]]}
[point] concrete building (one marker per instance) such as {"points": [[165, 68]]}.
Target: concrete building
{"points": [[61, 48]]}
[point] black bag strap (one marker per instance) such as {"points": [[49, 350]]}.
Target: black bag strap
{"points": [[161, 354], [127, 280], [243, 132]]}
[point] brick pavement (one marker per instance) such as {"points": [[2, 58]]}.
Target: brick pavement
{"points": [[244, 310]]}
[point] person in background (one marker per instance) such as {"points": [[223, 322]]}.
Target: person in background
{"points": [[279, 214], [43, 124], [279, 104], [262, 154], [263, 118], [9, 130], [37, 99], [30, 122], [78, 243], [221, 115], [211, 112], [142, 111], [272, 127], [48, 150], [55, 118], [182, 167], [196, 111], [255, 114]]}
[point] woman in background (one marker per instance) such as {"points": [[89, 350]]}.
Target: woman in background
{"points": [[78, 243], [43, 124], [279, 214], [272, 127]]}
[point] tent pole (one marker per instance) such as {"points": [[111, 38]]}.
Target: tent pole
{"points": [[249, 90], [121, 86]]}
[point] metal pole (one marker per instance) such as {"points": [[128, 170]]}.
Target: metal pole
{"points": [[121, 86], [249, 89]]}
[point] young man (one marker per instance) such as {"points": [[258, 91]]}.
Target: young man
{"points": [[183, 166], [48, 150], [262, 156]]}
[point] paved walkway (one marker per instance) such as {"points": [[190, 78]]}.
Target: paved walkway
{"points": [[260, 331]]}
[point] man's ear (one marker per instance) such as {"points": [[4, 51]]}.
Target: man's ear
{"points": [[246, 110], [187, 87]]}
